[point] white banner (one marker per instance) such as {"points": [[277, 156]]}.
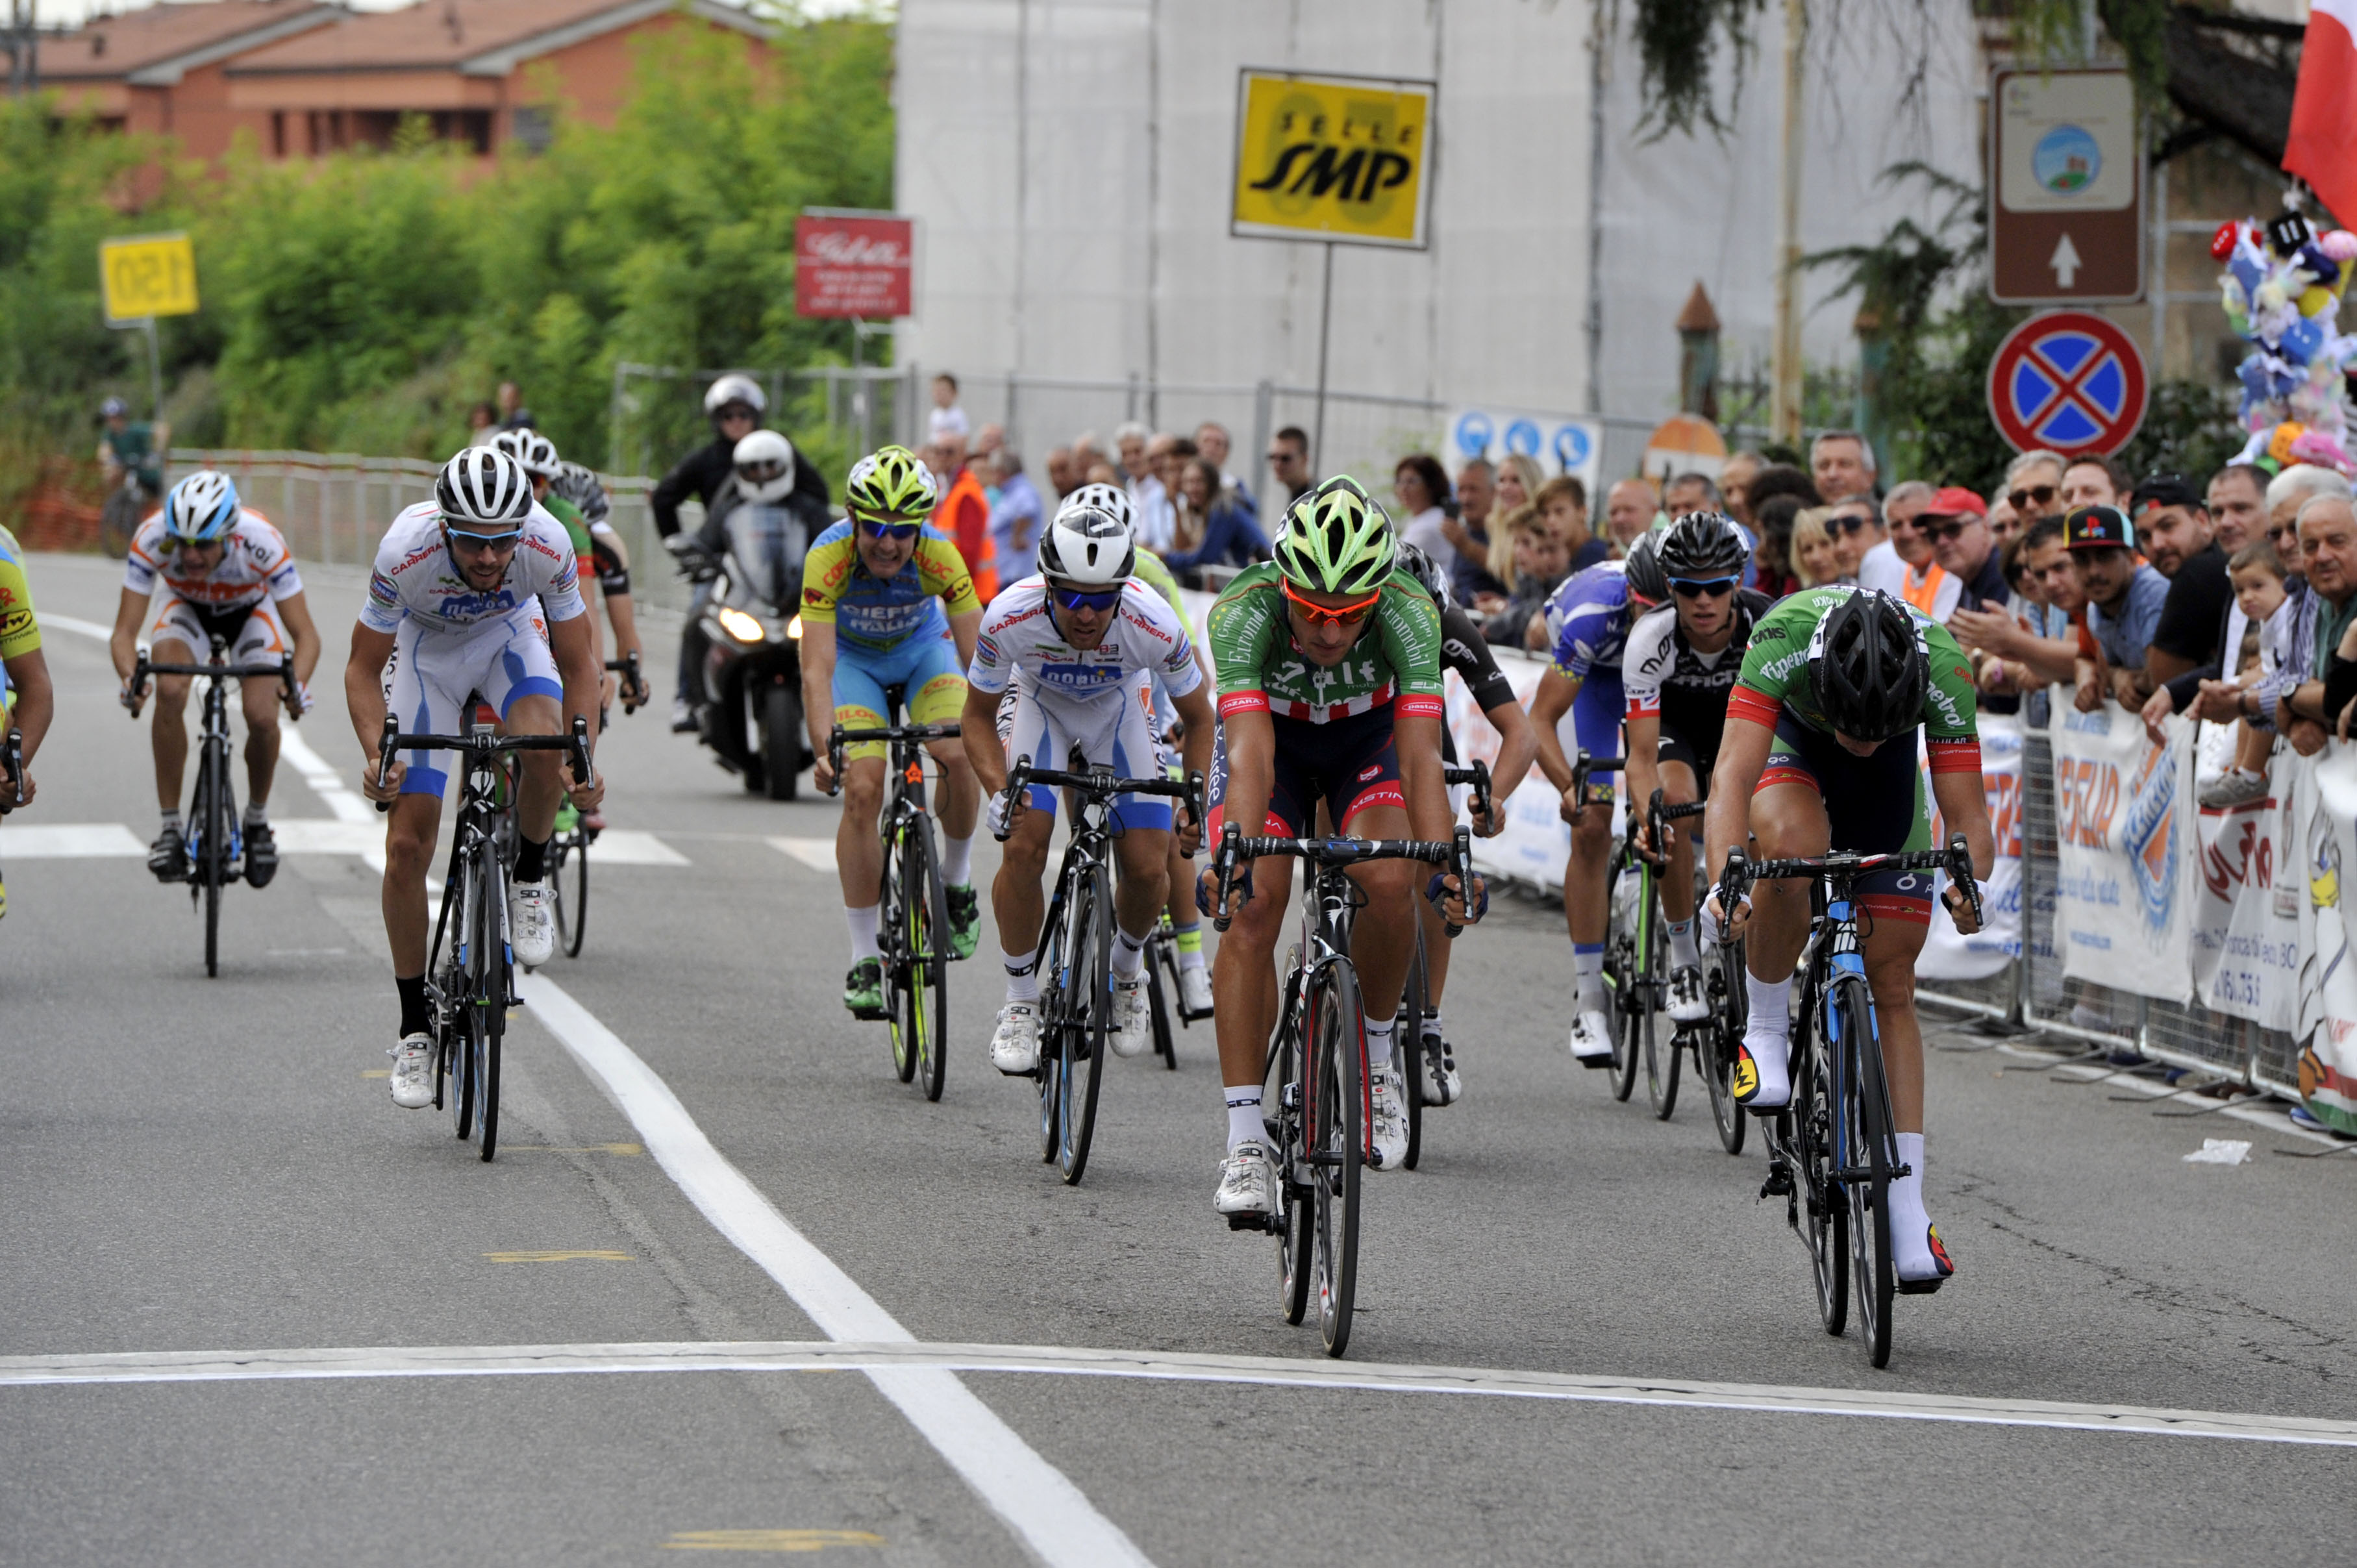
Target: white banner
{"points": [[2123, 818], [1946, 955], [2245, 913], [2326, 809]]}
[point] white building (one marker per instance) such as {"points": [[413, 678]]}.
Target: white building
{"points": [[1070, 162]]}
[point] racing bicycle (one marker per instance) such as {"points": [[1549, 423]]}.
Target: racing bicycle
{"points": [[1163, 992], [1412, 1041], [215, 835], [1074, 962], [471, 969], [1831, 1152], [568, 848], [1319, 1056], [912, 928]]}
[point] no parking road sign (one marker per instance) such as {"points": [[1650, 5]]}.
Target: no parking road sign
{"points": [[2067, 381]]}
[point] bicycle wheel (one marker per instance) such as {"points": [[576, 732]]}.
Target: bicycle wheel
{"points": [[924, 989], [573, 912], [1056, 992], [1714, 1045], [490, 1002], [1662, 1057], [212, 857], [1407, 1046], [1333, 1133], [1157, 996], [891, 938], [1865, 1149], [1824, 1215], [1632, 1012], [1084, 1043]]}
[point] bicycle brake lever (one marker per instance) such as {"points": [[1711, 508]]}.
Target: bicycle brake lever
{"points": [[384, 758], [1223, 863], [1461, 863]]}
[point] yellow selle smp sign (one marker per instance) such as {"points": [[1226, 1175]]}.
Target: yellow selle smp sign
{"points": [[147, 275], [1332, 157]]}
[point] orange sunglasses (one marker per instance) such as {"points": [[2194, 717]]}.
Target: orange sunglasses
{"points": [[1318, 614]]}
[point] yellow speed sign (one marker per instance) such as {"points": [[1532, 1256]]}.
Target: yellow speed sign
{"points": [[1332, 157], [147, 275]]}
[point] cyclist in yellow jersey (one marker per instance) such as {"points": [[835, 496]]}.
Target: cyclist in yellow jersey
{"points": [[1186, 920], [24, 677], [888, 604]]}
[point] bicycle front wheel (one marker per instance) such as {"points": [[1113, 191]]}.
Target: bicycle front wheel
{"points": [[1824, 1210], [1158, 997], [212, 862], [1407, 1046], [1335, 1137], [1084, 1042], [489, 1004], [1662, 1055], [893, 933], [1865, 1150], [1714, 1045], [924, 991], [1632, 1010], [573, 909]]}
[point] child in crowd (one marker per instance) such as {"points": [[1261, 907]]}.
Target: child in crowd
{"points": [[1562, 505], [947, 418], [2265, 601]]}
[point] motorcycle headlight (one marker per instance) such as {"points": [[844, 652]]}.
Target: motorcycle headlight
{"points": [[741, 626], [794, 628]]}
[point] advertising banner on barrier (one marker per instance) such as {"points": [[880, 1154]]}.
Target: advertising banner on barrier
{"points": [[2327, 812], [2246, 908], [1946, 955], [2123, 818]]}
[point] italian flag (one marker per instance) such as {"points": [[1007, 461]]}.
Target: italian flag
{"points": [[2322, 147]]}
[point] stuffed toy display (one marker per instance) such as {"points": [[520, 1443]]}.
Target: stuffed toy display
{"points": [[2282, 291]]}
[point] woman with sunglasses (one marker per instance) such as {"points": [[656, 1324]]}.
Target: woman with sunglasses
{"points": [[1080, 644], [1329, 661]]}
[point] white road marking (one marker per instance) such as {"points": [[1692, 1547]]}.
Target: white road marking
{"points": [[1047, 1512], [329, 835], [85, 628], [816, 854], [68, 841], [348, 803], [628, 846], [784, 1356]]}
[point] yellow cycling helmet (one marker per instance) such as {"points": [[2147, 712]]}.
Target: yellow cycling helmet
{"points": [[890, 485]]}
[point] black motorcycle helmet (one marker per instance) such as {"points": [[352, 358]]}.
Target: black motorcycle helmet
{"points": [[1410, 559], [1867, 668], [1702, 545]]}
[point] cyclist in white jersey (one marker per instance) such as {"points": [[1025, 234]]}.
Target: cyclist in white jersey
{"points": [[1081, 644], [474, 592], [225, 572]]}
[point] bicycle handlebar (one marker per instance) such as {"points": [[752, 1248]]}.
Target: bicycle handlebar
{"points": [[1657, 813], [1735, 879], [393, 740], [1457, 856], [1096, 782], [143, 667], [634, 685], [838, 737], [1477, 775], [1586, 765]]}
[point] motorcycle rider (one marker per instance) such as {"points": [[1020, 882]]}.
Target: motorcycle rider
{"points": [[763, 478]]}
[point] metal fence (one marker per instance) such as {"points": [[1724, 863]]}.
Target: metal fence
{"points": [[2034, 995]]}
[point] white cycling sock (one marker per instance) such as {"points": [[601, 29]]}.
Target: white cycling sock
{"points": [[863, 932], [172, 818], [1683, 952], [957, 860], [1128, 952], [1768, 1036], [1588, 963], [1022, 980], [1910, 1228], [256, 814], [1378, 1045], [1245, 1125], [1432, 1022]]}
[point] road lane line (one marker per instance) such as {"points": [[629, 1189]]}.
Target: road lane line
{"points": [[85, 628], [1050, 1515], [787, 1356]]}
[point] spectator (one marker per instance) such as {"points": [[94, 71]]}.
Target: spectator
{"points": [[1630, 508], [1855, 530], [1562, 505], [1957, 526], [482, 423], [1471, 579], [1771, 551], [2189, 645], [1908, 569], [1784, 479], [2034, 641], [2268, 600], [1226, 534], [1101, 472], [1842, 464], [1421, 486], [2328, 549], [1689, 492], [1087, 453], [1062, 473], [1015, 518], [2238, 505], [1213, 444], [986, 443], [1155, 503], [947, 418], [1734, 485], [1519, 482], [2124, 600], [2094, 481], [2033, 484], [1539, 563], [962, 513], [1288, 461], [513, 415], [2003, 522], [1814, 560]]}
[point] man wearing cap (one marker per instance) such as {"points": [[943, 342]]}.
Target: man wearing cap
{"points": [[1957, 523], [2174, 524], [2124, 600]]}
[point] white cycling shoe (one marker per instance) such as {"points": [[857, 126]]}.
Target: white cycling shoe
{"points": [[1247, 1183], [1387, 1134], [1591, 1039], [1133, 1016], [1689, 1003], [1763, 1071], [532, 923], [1195, 990], [413, 1072], [1448, 1083], [1015, 1046]]}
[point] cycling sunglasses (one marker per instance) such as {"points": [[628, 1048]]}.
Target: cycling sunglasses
{"points": [[1702, 587], [1096, 601], [477, 544], [2036, 495], [875, 529], [1347, 615]]}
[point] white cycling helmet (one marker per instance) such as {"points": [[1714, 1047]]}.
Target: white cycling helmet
{"points": [[536, 453], [1110, 498], [765, 466], [484, 491], [202, 509], [735, 388], [1088, 543]]}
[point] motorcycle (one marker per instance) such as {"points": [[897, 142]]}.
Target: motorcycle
{"points": [[750, 712]]}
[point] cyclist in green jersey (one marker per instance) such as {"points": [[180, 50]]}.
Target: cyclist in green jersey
{"points": [[595, 545], [1819, 753], [1329, 661], [25, 693]]}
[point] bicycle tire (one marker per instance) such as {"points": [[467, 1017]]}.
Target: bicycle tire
{"points": [[1408, 1047], [1866, 1100], [1295, 1250], [925, 924], [577, 851], [1662, 1058], [1093, 969], [212, 860], [1335, 1130], [1055, 994], [891, 934], [1824, 1215], [1714, 1045], [493, 982], [1158, 1001], [1629, 1009]]}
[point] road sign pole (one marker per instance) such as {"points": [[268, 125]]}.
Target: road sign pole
{"points": [[154, 373], [1325, 327]]}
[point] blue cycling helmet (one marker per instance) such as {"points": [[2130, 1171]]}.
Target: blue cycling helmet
{"points": [[202, 509]]}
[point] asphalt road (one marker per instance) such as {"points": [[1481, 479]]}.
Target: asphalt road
{"points": [[213, 1168]]}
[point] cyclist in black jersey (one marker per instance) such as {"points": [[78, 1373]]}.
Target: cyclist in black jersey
{"points": [[1677, 669], [1464, 650]]}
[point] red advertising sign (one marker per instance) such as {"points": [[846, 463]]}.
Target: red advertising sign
{"points": [[853, 263]]}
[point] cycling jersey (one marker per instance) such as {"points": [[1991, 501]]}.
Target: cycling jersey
{"points": [[1587, 622], [589, 544], [20, 631], [1686, 690], [578, 486], [417, 581], [1775, 677], [256, 565], [1019, 641], [1150, 571], [1395, 662], [1465, 650], [880, 614]]}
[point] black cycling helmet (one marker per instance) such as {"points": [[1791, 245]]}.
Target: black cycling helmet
{"points": [[1647, 581], [1702, 545], [1410, 559], [1867, 668]]}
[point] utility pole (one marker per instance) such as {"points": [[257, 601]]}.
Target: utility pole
{"points": [[1784, 409]]}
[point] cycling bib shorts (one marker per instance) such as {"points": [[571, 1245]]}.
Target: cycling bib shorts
{"points": [[254, 632], [1874, 804], [925, 667], [1114, 730], [1348, 763], [1596, 714], [431, 674]]}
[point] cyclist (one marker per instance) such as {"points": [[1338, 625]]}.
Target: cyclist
{"points": [[1818, 753], [888, 607], [1328, 663], [594, 544], [226, 573], [25, 694], [1677, 670], [1081, 643], [475, 591], [1464, 650], [1589, 618]]}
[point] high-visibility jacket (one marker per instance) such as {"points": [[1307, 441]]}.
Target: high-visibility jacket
{"points": [[964, 515]]}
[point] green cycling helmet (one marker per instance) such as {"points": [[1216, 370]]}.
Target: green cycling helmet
{"points": [[1337, 539], [890, 483]]}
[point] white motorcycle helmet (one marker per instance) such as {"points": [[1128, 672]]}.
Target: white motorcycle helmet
{"points": [[1089, 543], [735, 388], [765, 466]]}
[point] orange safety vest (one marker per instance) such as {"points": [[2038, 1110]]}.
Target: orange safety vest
{"points": [[1925, 593], [964, 515]]}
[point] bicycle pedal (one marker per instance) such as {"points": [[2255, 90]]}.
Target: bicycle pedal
{"points": [[1266, 1223], [870, 1014], [1778, 1185]]}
